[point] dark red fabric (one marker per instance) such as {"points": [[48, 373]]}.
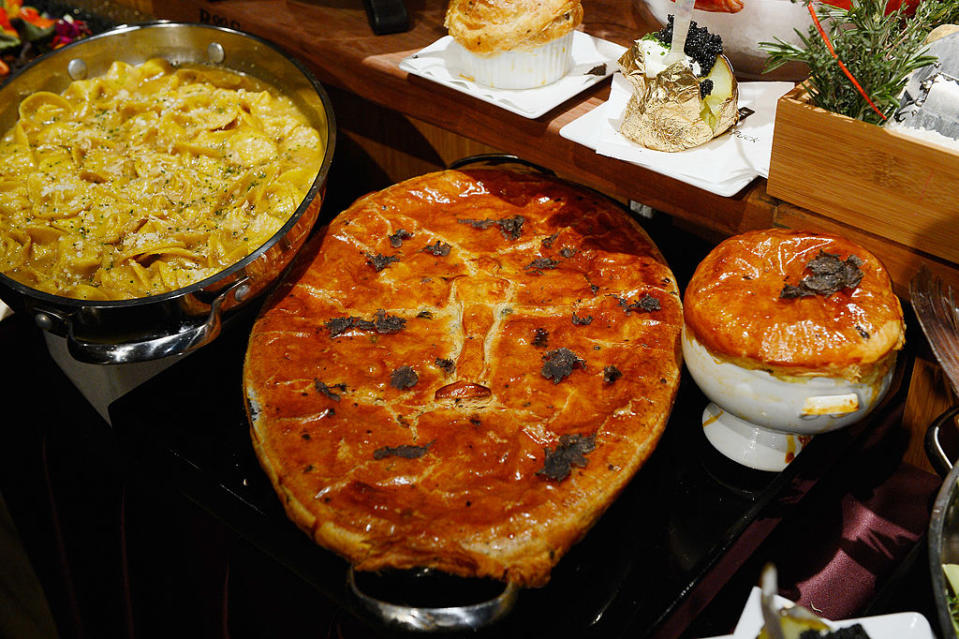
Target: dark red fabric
{"points": [[870, 537]]}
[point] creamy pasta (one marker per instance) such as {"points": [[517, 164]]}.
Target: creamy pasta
{"points": [[147, 179]]}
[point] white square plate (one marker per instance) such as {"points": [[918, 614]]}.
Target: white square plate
{"points": [[904, 625], [722, 166], [589, 57]]}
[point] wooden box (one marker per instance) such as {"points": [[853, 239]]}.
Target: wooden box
{"points": [[866, 176]]}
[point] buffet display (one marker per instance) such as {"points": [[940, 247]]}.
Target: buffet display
{"points": [[461, 372]]}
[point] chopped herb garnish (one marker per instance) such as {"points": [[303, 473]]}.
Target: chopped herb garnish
{"points": [[445, 365], [567, 252], [646, 304], [548, 241]]}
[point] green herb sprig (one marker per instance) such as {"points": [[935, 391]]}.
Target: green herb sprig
{"points": [[880, 51]]}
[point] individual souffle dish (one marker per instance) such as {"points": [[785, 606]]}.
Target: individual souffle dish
{"points": [[790, 334], [513, 44]]}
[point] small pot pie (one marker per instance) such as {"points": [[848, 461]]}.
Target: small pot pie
{"points": [[513, 44], [796, 304]]}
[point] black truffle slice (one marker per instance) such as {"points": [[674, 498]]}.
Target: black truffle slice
{"points": [[339, 325], [380, 261], [386, 324], [559, 364], [611, 374], [540, 338], [440, 249], [328, 390], [852, 632], [406, 451], [510, 227], [445, 365], [582, 321], [829, 275], [572, 451], [396, 239], [542, 263], [567, 252], [404, 377], [646, 304]]}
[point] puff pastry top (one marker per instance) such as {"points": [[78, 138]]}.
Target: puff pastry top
{"points": [[733, 307], [402, 388], [488, 27]]}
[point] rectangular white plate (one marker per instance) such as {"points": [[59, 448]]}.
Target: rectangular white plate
{"points": [[904, 625], [722, 166], [589, 56]]}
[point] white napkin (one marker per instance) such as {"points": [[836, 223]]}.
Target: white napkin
{"points": [[5, 311], [743, 151], [589, 56]]}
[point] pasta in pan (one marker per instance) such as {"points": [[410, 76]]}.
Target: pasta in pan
{"points": [[148, 179]]}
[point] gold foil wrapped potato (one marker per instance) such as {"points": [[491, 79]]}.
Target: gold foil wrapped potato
{"points": [[667, 111]]}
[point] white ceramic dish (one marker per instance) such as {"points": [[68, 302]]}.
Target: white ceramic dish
{"points": [[905, 625], [519, 69], [762, 421], [759, 21], [593, 61]]}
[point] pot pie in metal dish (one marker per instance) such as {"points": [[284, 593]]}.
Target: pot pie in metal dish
{"points": [[463, 371]]}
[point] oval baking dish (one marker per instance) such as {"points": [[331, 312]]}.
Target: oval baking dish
{"points": [[175, 322]]}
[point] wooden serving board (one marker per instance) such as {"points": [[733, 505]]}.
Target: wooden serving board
{"points": [[868, 177]]}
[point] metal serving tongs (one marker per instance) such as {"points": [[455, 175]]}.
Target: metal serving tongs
{"points": [[937, 314]]}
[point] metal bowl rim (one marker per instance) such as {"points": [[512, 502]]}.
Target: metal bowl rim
{"points": [[947, 494], [311, 194]]}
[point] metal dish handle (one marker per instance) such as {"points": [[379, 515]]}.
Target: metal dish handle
{"points": [[452, 618], [183, 341], [935, 451], [495, 159]]}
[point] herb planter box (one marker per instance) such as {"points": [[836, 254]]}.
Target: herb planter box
{"points": [[868, 177]]}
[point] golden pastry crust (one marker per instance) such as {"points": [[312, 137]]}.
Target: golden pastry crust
{"points": [[733, 307], [439, 464], [488, 27]]}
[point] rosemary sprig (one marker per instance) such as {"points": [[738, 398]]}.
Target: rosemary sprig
{"points": [[880, 51]]}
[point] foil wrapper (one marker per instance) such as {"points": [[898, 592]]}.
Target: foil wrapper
{"points": [[665, 112]]}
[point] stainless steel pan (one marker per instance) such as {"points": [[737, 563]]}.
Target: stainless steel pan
{"points": [[177, 322], [944, 523]]}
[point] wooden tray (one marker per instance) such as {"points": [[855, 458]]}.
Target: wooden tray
{"points": [[863, 175]]}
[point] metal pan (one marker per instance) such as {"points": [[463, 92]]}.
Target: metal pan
{"points": [[944, 524], [136, 330]]}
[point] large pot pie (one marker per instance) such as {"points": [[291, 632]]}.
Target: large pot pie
{"points": [[463, 372]]}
